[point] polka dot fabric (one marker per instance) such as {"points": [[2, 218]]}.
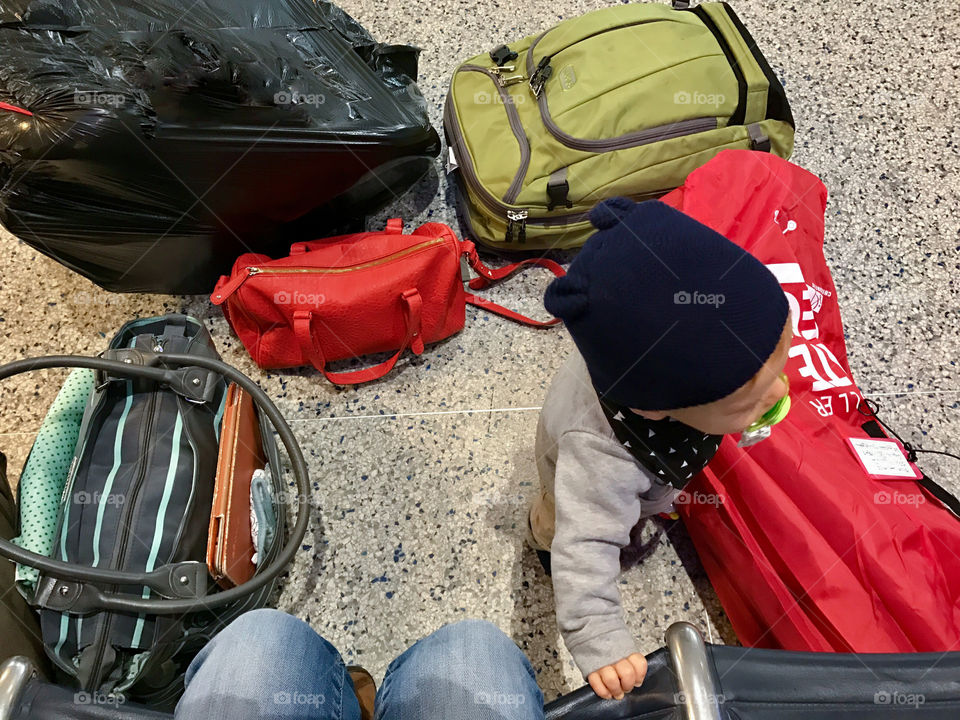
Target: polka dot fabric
{"points": [[45, 473]]}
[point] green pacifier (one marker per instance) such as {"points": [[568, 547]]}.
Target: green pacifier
{"points": [[772, 416], [760, 430]]}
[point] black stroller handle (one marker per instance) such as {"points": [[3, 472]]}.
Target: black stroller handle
{"points": [[65, 596]]}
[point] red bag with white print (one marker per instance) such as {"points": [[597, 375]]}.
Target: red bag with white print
{"points": [[352, 295], [805, 549]]}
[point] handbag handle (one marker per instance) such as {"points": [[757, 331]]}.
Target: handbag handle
{"points": [[413, 338], [489, 275]]}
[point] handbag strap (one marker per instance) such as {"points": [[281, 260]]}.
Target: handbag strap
{"points": [[489, 275], [303, 329]]}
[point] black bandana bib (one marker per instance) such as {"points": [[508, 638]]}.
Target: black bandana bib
{"points": [[672, 451]]}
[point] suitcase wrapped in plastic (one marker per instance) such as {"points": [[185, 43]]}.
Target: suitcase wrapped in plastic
{"points": [[147, 145], [806, 550]]}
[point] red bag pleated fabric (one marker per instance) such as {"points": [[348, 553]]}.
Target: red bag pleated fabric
{"points": [[805, 550]]}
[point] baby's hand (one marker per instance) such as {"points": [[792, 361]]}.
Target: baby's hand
{"points": [[619, 678]]}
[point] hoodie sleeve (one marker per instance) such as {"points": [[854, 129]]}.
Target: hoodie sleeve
{"points": [[597, 489]]}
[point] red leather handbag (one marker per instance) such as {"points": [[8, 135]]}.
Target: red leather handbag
{"points": [[351, 295]]}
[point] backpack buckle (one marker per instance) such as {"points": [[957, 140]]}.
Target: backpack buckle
{"points": [[502, 55]]}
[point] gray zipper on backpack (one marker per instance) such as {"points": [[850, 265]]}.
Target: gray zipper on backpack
{"points": [[468, 173], [622, 142], [514, 119]]}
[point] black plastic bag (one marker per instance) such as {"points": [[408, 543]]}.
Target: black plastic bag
{"points": [[146, 145]]}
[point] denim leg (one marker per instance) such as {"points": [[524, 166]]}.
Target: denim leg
{"points": [[271, 666], [468, 670]]}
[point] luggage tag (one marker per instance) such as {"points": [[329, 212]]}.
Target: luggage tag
{"points": [[883, 459]]}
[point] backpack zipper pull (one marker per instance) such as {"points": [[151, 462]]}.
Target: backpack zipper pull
{"points": [[505, 81], [540, 76], [517, 225]]}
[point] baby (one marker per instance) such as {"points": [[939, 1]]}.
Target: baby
{"points": [[681, 338]]}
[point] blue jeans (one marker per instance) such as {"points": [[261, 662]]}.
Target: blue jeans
{"points": [[272, 666]]}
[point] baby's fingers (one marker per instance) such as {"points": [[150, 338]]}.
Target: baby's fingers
{"points": [[639, 663], [611, 679], [597, 684], [627, 674]]}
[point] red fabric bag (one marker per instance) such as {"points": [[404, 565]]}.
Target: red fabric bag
{"points": [[806, 551], [351, 295]]}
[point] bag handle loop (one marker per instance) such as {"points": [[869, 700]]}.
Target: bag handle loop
{"points": [[488, 276], [413, 338]]}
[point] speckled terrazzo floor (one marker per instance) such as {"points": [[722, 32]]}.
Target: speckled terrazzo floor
{"points": [[421, 481]]}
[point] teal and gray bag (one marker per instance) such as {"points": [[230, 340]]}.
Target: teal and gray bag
{"points": [[115, 502]]}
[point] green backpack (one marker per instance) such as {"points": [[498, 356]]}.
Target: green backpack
{"points": [[626, 100]]}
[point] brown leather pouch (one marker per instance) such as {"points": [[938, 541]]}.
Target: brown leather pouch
{"points": [[230, 546]]}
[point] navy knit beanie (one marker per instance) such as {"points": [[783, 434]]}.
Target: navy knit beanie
{"points": [[666, 312]]}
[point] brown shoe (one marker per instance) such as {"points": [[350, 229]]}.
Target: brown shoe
{"points": [[365, 689]]}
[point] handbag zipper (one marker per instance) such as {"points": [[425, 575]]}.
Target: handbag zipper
{"points": [[247, 272], [539, 74]]}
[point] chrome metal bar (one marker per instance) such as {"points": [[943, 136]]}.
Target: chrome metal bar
{"points": [[15, 673], [699, 689]]}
